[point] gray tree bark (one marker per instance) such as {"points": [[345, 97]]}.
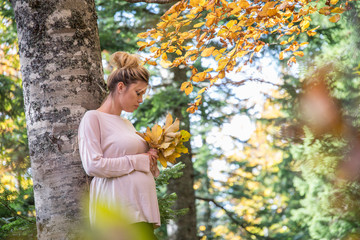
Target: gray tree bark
{"points": [[62, 77], [185, 226]]}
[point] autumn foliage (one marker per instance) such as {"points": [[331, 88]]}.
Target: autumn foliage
{"points": [[231, 32], [168, 140]]}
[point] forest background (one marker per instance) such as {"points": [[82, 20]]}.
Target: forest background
{"points": [[286, 180]]}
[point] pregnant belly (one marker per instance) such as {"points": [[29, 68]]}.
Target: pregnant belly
{"points": [[135, 187]]}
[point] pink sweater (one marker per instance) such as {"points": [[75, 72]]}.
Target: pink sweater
{"points": [[111, 151]]}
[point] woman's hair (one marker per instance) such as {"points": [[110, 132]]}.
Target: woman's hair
{"points": [[128, 69]]}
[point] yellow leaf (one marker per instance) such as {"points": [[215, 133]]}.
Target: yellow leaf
{"points": [[169, 151], [188, 53], [244, 4], [165, 63], [258, 48], [156, 133], [181, 149], [161, 25], [202, 90], [178, 52], [311, 33], [335, 18], [153, 49], [143, 35], [291, 38], [141, 44], [147, 139], [291, 60], [164, 45], [222, 50], [283, 42], [231, 23], [333, 2], [239, 69], [222, 63], [162, 159], [152, 63], [141, 134], [265, 8], [184, 85], [299, 53], [215, 52], [169, 118], [304, 25], [207, 52], [189, 89], [303, 44], [241, 53], [172, 157], [199, 77], [173, 128], [325, 11], [199, 25], [338, 10], [165, 145], [191, 109], [156, 35], [210, 19], [202, 37], [185, 135], [171, 49], [235, 10], [172, 136], [271, 12], [281, 55], [221, 75]]}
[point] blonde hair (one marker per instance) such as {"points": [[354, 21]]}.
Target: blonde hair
{"points": [[128, 69]]}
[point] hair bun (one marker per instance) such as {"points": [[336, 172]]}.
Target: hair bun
{"points": [[123, 60]]}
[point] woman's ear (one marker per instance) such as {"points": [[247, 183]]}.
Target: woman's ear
{"points": [[120, 87]]}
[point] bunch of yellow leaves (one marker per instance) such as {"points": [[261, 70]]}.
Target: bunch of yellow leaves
{"points": [[168, 140]]}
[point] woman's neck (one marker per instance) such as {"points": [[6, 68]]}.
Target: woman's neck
{"points": [[110, 107]]}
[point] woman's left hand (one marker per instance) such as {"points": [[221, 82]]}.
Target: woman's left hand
{"points": [[153, 162]]}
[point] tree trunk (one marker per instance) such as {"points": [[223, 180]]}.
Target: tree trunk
{"points": [[185, 226], [62, 78], [207, 184]]}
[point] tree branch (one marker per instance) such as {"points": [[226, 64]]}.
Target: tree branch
{"points": [[231, 216], [15, 212], [152, 1], [241, 82]]}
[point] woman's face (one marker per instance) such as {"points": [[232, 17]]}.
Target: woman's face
{"points": [[131, 96]]}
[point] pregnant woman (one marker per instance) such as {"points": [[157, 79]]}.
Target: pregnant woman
{"points": [[120, 161]]}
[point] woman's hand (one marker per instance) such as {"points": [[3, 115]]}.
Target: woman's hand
{"points": [[153, 156]]}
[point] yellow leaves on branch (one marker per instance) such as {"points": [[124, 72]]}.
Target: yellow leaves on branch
{"points": [[187, 87], [168, 140], [230, 32]]}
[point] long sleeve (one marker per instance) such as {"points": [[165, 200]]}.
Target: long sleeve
{"points": [[92, 155]]}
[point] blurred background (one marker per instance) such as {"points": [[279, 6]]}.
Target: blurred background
{"points": [[275, 149]]}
